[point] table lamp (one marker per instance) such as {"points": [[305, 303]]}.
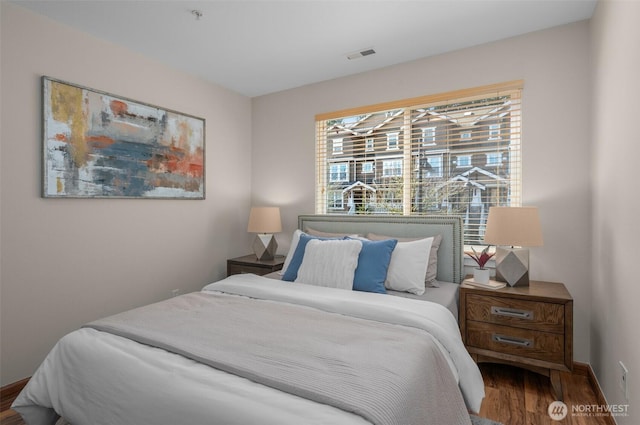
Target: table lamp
{"points": [[264, 221], [514, 227]]}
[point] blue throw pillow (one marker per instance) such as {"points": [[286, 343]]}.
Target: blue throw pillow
{"points": [[373, 263], [291, 273]]}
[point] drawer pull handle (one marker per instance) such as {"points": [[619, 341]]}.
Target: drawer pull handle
{"points": [[521, 342], [512, 312]]}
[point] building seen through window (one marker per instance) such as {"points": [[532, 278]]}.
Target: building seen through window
{"points": [[432, 156]]}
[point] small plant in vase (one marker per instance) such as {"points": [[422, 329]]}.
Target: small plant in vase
{"points": [[480, 273]]}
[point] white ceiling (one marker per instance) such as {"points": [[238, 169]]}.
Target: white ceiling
{"points": [[264, 46]]}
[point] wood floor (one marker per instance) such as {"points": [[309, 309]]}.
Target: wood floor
{"points": [[513, 397]]}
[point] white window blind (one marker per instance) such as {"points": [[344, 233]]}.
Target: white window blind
{"points": [[450, 153]]}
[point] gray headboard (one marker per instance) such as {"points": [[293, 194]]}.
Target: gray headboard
{"points": [[450, 253]]}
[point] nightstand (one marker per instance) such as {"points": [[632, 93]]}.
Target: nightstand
{"points": [[251, 264], [529, 327]]}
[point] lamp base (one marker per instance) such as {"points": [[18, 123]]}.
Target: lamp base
{"points": [[512, 266], [265, 246]]}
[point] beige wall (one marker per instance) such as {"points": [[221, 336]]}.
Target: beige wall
{"points": [[554, 66], [66, 261], [616, 316]]}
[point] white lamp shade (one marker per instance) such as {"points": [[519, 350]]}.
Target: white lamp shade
{"points": [[264, 220], [514, 226]]}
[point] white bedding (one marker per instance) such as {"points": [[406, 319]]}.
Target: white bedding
{"points": [[446, 294], [91, 377]]}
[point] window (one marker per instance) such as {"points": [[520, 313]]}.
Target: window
{"points": [[434, 168], [337, 146], [335, 200], [475, 164], [428, 136], [494, 159], [392, 141], [369, 145], [463, 161], [494, 131], [339, 172], [392, 168]]}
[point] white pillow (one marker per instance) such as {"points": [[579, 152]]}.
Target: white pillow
{"points": [[408, 266], [292, 249], [330, 263]]}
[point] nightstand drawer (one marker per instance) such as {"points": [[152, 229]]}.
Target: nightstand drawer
{"points": [[539, 316], [543, 346]]}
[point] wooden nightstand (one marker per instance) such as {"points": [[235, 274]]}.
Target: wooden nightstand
{"points": [[529, 327], [251, 264]]}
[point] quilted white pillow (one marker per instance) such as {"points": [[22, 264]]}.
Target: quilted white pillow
{"points": [[408, 266], [330, 263]]}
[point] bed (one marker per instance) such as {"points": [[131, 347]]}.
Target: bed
{"points": [[252, 349]]}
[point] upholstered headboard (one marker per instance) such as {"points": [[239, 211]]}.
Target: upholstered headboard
{"points": [[450, 253]]}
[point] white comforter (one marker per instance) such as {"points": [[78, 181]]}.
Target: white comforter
{"points": [[87, 373]]}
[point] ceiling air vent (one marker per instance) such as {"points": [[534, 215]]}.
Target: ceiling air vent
{"points": [[361, 54]]}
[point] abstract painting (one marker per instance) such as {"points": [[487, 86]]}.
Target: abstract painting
{"points": [[98, 145]]}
